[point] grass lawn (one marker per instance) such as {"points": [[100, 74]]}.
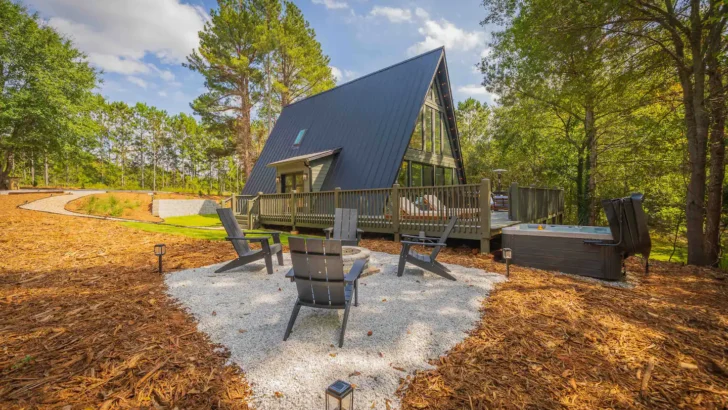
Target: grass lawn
{"points": [[662, 249], [194, 220], [215, 235]]}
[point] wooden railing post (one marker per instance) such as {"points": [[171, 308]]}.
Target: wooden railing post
{"points": [[394, 203], [337, 191], [485, 216], [233, 204], [513, 202], [293, 210]]}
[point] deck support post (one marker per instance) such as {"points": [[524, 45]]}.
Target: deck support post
{"points": [[293, 210], [233, 204], [485, 216], [337, 191], [394, 203]]}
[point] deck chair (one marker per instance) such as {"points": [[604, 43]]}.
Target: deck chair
{"points": [[318, 270], [344, 229], [240, 243], [424, 261]]}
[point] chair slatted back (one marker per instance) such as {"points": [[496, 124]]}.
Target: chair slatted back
{"points": [[444, 236], [434, 203], [233, 230], [318, 268], [345, 221]]}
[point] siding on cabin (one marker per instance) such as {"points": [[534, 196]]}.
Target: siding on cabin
{"points": [[319, 170]]}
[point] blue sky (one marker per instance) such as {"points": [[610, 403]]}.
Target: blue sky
{"points": [[140, 44]]}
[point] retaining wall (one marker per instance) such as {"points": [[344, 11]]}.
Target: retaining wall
{"points": [[164, 208]]}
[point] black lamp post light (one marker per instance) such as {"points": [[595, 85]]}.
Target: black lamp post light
{"points": [[160, 249], [340, 396], [507, 255]]}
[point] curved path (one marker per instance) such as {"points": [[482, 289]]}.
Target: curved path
{"points": [[57, 205]]}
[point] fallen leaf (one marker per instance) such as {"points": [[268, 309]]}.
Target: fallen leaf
{"points": [[369, 333], [354, 374], [242, 330], [214, 313], [332, 354], [278, 394], [688, 366]]}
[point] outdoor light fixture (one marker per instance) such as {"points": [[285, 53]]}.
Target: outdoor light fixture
{"points": [[340, 396], [160, 249], [499, 172], [507, 255]]}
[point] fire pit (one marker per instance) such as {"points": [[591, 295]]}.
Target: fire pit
{"points": [[352, 254]]}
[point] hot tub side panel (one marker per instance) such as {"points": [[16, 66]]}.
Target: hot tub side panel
{"points": [[568, 255]]}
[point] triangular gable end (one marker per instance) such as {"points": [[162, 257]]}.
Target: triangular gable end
{"points": [[433, 156]]}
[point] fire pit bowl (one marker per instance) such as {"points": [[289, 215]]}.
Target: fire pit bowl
{"points": [[352, 254]]}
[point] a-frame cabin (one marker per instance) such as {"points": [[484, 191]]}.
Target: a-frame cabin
{"points": [[396, 125]]}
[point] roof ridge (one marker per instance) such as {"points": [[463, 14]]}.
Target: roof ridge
{"points": [[442, 48]]}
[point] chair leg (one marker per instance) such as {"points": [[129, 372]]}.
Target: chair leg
{"points": [[231, 265], [356, 292], [269, 263], [292, 320], [279, 254], [343, 324], [438, 269], [402, 260]]}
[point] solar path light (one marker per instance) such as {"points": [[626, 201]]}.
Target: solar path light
{"points": [[507, 255], [160, 249], [340, 396]]}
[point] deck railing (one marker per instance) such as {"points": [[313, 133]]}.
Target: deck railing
{"points": [[531, 204], [402, 210]]}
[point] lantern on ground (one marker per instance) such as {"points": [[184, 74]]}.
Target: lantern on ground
{"points": [[507, 255], [160, 249], [340, 396]]}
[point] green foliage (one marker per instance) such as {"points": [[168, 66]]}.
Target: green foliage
{"points": [[108, 206]]}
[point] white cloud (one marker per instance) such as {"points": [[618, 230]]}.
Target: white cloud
{"points": [[137, 81], [422, 13], [117, 35], [342, 76], [162, 93], [393, 14], [473, 89], [332, 4], [443, 33]]}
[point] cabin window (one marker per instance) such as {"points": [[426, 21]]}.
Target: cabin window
{"points": [[428, 175], [448, 176], [299, 137], [403, 179], [416, 140], [439, 176], [428, 129], [416, 174], [438, 134], [446, 147], [289, 182]]}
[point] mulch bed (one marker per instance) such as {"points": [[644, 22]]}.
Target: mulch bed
{"points": [[551, 341], [85, 322]]}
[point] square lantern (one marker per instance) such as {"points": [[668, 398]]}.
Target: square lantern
{"points": [[507, 255], [340, 396]]}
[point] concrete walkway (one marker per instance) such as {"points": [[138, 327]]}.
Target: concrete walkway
{"points": [[57, 205]]}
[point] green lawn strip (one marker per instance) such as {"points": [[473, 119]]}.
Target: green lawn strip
{"points": [[215, 235], [662, 249], [194, 220]]}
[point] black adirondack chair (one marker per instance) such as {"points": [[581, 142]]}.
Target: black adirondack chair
{"points": [[344, 228], [318, 270], [240, 243], [424, 261]]}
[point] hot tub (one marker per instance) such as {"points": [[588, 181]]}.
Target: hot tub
{"points": [[565, 249]]}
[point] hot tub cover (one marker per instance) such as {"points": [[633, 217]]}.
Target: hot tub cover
{"points": [[628, 223]]}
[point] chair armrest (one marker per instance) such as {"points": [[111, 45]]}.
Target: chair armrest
{"points": [[355, 271], [290, 275], [423, 243], [237, 238], [420, 239]]}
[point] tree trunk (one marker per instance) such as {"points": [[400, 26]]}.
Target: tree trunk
{"points": [[582, 209], [591, 165], [716, 164], [45, 169]]}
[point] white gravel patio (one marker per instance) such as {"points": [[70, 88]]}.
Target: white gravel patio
{"points": [[413, 319]]}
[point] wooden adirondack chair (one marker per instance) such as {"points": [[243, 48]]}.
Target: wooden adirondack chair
{"points": [[240, 243], [424, 261], [344, 229], [318, 270]]}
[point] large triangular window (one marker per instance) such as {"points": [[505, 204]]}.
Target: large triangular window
{"points": [[432, 133]]}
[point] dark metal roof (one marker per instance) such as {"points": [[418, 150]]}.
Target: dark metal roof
{"points": [[306, 157], [371, 119]]}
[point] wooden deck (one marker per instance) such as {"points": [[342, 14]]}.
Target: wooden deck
{"points": [[409, 210]]}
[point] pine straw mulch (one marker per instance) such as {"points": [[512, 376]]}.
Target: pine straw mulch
{"points": [[142, 212], [84, 319], [551, 341]]}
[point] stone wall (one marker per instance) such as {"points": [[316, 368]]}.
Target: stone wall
{"points": [[164, 208]]}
